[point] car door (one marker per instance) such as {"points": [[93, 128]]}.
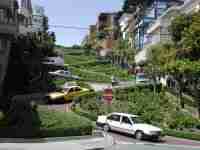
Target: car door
{"points": [[77, 91], [126, 125], [114, 122]]}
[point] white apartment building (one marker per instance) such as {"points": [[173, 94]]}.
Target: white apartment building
{"points": [[158, 30]]}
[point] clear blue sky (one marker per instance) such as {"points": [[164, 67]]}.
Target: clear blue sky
{"points": [[75, 13]]}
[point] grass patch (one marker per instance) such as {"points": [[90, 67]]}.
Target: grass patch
{"points": [[58, 124]]}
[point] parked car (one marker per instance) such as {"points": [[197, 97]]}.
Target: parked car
{"points": [[130, 124], [67, 94], [64, 74]]}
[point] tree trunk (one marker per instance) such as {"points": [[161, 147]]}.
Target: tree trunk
{"points": [[180, 93]]}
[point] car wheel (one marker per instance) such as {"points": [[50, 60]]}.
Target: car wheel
{"points": [[139, 135], [106, 128]]}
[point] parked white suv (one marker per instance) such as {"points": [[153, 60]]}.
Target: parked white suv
{"points": [[130, 124]]}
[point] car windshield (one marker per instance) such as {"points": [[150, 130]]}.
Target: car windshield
{"points": [[137, 120]]}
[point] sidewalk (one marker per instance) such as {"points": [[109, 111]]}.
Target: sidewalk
{"points": [[73, 143]]}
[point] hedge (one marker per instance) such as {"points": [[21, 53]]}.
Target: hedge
{"points": [[182, 134], [86, 114], [44, 123], [58, 124], [90, 76]]}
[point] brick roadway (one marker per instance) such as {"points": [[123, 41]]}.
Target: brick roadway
{"points": [[126, 139]]}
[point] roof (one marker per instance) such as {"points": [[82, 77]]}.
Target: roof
{"points": [[124, 114]]}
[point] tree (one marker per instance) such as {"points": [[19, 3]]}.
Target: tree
{"points": [[130, 6], [181, 59], [177, 27], [26, 56]]}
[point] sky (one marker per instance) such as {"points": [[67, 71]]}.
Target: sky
{"points": [[80, 13]]}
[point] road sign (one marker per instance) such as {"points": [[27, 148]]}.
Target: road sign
{"points": [[108, 95]]}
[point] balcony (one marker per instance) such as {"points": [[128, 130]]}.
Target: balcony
{"points": [[5, 3]]}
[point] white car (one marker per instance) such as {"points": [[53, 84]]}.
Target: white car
{"points": [[64, 74], [130, 124]]}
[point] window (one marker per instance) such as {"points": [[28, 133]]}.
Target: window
{"points": [[71, 90], [77, 89], [126, 120], [4, 44], [114, 118], [1, 15]]}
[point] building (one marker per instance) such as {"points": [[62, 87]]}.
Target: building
{"points": [[8, 29], [152, 13], [158, 31], [92, 39], [107, 32], [25, 17], [38, 18], [127, 26]]}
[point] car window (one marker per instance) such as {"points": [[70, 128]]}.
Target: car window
{"points": [[126, 120], [114, 118], [71, 90], [62, 72], [77, 89]]}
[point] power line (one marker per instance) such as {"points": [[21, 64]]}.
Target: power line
{"points": [[69, 27]]}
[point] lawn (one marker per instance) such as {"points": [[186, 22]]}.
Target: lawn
{"points": [[90, 69]]}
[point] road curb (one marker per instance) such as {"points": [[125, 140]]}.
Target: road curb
{"points": [[96, 135]]}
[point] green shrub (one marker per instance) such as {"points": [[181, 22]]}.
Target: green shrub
{"points": [[28, 123], [183, 134], [84, 85], [182, 120], [90, 76], [22, 120], [58, 124], [91, 116]]}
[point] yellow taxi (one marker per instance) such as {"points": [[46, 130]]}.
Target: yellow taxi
{"points": [[67, 94], [75, 91]]}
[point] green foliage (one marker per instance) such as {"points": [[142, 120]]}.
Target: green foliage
{"points": [[58, 124], [178, 25], [90, 69], [90, 76], [86, 114], [183, 134], [22, 120], [26, 56], [191, 37], [84, 85], [155, 108]]}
